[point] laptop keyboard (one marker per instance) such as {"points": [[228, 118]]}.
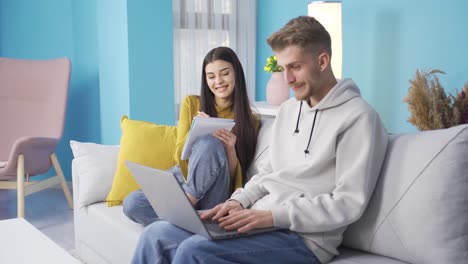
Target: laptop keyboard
{"points": [[214, 228]]}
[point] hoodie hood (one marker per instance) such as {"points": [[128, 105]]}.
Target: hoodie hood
{"points": [[343, 91]]}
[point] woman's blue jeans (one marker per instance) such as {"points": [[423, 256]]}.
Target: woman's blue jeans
{"points": [[208, 181], [162, 242]]}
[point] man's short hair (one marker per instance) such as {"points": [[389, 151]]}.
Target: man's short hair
{"points": [[305, 32]]}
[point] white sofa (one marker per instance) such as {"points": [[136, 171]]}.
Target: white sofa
{"points": [[418, 213]]}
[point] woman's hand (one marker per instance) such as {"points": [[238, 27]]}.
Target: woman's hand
{"points": [[227, 137], [229, 141], [202, 114]]}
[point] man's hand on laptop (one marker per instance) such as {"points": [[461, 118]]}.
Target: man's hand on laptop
{"points": [[246, 220], [231, 216], [221, 210]]}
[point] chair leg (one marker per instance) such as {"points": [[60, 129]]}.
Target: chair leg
{"points": [[20, 184], [59, 172]]}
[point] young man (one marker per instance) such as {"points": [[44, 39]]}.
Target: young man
{"points": [[326, 151]]}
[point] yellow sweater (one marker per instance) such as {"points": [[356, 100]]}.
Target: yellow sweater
{"points": [[188, 110]]}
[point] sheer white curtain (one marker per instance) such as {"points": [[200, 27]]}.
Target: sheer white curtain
{"points": [[201, 25]]}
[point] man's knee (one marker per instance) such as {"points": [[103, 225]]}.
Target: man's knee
{"points": [[193, 250], [159, 230]]}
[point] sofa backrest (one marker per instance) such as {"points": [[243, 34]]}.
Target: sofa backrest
{"points": [[419, 209], [261, 151]]}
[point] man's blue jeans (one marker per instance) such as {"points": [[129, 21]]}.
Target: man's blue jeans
{"points": [[162, 242], [208, 181]]}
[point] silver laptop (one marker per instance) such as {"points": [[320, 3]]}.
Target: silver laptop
{"points": [[169, 201]]}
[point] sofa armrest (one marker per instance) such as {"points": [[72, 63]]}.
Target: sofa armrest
{"points": [[93, 169], [75, 182]]}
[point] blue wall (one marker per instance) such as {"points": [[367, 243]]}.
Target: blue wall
{"points": [[98, 37], [121, 54], [84, 118], [151, 61], [384, 42], [113, 62]]}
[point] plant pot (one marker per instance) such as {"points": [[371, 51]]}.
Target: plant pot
{"points": [[277, 89]]}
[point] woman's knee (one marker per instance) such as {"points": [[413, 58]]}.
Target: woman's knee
{"points": [[208, 144], [138, 209], [131, 202]]}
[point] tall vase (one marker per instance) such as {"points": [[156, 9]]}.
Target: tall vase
{"points": [[277, 89]]}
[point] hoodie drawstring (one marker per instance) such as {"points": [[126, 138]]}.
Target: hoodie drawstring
{"points": [[306, 151], [297, 123]]}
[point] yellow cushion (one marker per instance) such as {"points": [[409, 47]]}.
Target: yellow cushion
{"points": [[145, 143]]}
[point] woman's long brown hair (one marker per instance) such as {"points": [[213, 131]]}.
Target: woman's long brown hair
{"points": [[246, 127]]}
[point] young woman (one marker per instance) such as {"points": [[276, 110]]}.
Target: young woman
{"points": [[218, 162]]}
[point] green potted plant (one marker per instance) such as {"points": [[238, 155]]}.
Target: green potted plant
{"points": [[277, 88]]}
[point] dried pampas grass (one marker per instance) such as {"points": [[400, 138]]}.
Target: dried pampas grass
{"points": [[431, 107]]}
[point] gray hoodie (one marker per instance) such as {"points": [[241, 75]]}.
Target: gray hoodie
{"points": [[322, 167]]}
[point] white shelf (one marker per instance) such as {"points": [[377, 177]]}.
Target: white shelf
{"points": [[265, 109]]}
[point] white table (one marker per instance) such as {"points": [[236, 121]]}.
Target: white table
{"points": [[21, 242]]}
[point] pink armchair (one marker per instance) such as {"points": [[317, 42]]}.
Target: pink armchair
{"points": [[33, 100]]}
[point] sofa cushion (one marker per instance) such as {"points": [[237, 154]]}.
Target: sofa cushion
{"points": [[145, 143], [97, 164], [349, 256], [419, 209], [107, 232]]}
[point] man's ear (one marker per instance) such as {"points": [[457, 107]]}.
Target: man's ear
{"points": [[324, 60]]}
